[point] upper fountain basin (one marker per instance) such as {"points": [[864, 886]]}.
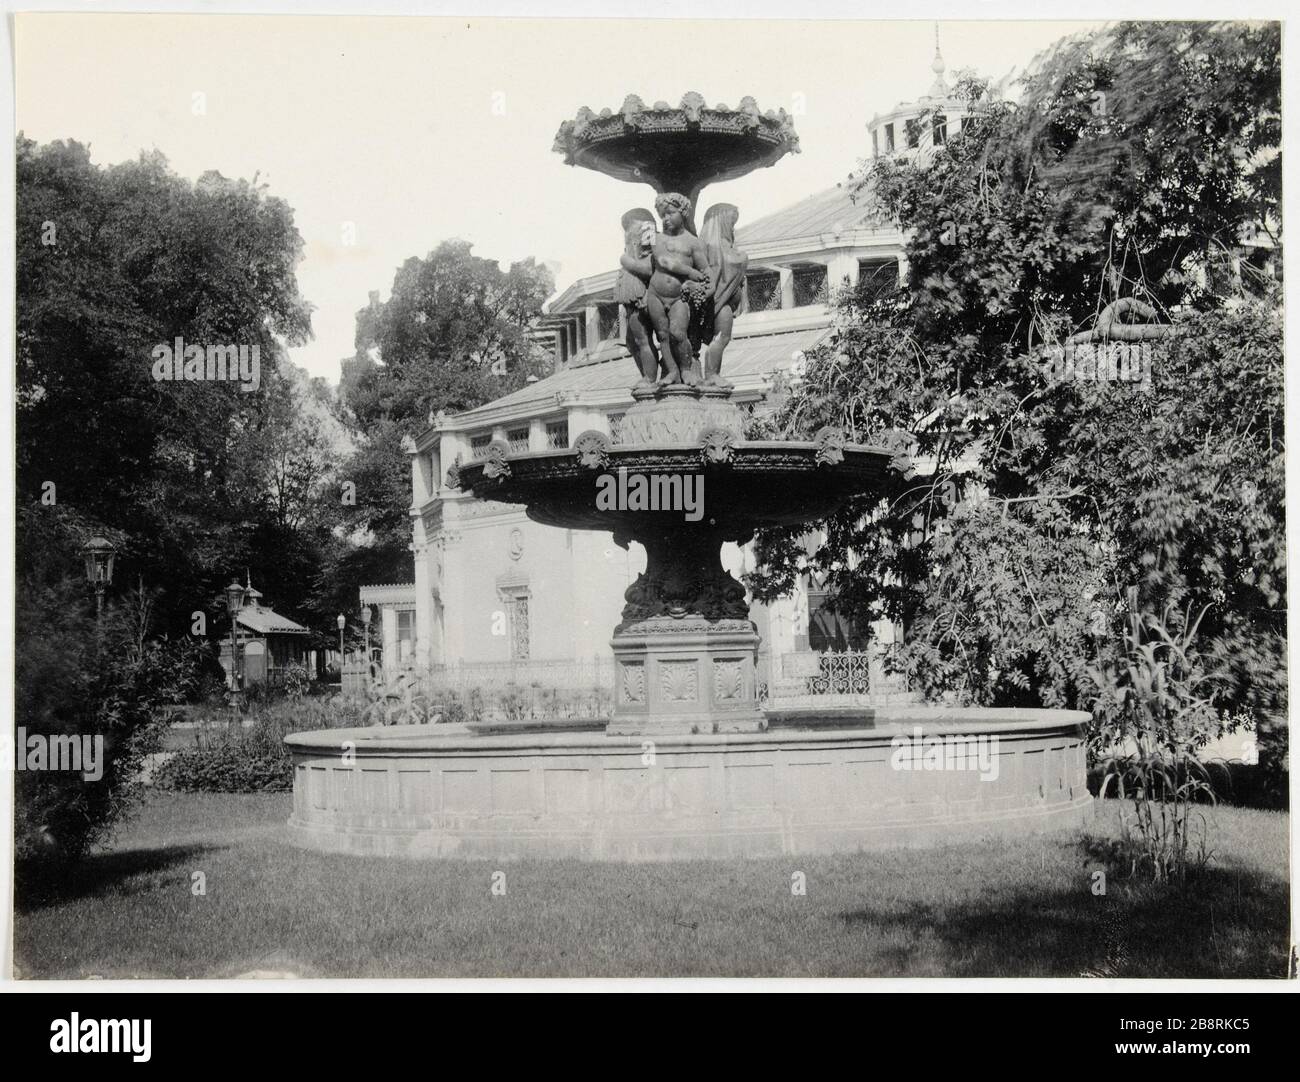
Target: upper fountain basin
{"points": [[745, 484], [677, 149]]}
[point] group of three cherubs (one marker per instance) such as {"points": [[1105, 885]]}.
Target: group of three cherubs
{"points": [[679, 291]]}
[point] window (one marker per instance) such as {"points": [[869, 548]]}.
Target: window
{"points": [[571, 339], [405, 635], [830, 630], [913, 128], [519, 630], [615, 427], [940, 129], [876, 278], [429, 473], [518, 440], [809, 285], [557, 435], [608, 316], [889, 138], [478, 445], [763, 291]]}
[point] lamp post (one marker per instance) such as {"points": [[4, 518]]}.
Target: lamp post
{"points": [[99, 553], [365, 627], [234, 602], [342, 624]]}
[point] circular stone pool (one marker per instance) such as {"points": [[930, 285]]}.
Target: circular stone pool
{"points": [[814, 782]]}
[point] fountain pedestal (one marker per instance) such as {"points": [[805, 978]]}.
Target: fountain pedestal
{"points": [[693, 680], [686, 648]]}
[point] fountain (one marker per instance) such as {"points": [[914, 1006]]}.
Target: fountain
{"points": [[689, 764]]}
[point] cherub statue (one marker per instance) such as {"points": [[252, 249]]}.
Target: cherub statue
{"points": [[680, 283], [727, 267], [630, 291]]}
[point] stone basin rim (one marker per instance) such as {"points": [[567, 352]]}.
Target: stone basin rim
{"points": [[967, 721]]}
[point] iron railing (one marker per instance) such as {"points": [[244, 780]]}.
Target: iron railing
{"points": [[833, 675]]}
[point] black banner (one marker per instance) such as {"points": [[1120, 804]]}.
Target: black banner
{"points": [[333, 1029]]}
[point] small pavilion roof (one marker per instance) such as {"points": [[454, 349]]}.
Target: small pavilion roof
{"points": [[269, 622]]}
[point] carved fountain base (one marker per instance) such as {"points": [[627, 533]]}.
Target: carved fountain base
{"points": [[685, 651], [690, 677]]}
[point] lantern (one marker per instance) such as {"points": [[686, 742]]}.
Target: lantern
{"points": [[234, 602], [99, 553]]}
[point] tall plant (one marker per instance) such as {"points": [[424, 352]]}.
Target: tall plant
{"points": [[1154, 711]]}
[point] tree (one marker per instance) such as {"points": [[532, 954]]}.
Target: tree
{"points": [[113, 262], [192, 480], [1136, 162], [452, 335]]}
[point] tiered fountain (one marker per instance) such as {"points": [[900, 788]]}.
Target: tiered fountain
{"points": [[689, 764]]}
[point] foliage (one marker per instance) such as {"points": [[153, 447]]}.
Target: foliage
{"points": [[297, 680], [1272, 738], [112, 262], [198, 481], [73, 676], [1025, 509], [1007, 619], [227, 768], [408, 698], [396, 700], [451, 336], [519, 703], [249, 755], [1154, 712]]}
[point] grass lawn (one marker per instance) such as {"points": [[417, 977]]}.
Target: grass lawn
{"points": [[1004, 908]]}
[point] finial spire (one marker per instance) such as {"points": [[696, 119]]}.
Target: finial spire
{"points": [[939, 89]]}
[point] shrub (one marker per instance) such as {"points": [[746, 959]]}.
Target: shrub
{"points": [[227, 768], [252, 758], [396, 701], [1273, 741], [297, 681], [449, 708], [514, 702]]}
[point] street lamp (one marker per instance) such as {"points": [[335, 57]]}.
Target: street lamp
{"points": [[365, 626], [234, 602], [99, 553], [343, 622]]}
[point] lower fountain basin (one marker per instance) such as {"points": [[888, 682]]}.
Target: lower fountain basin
{"points": [[873, 778]]}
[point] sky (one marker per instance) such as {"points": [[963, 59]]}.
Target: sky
{"points": [[389, 135]]}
